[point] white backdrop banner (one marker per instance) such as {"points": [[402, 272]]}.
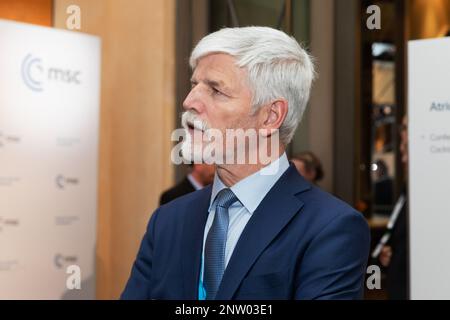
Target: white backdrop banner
{"points": [[429, 168], [49, 127]]}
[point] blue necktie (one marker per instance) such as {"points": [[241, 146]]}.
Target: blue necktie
{"points": [[215, 244]]}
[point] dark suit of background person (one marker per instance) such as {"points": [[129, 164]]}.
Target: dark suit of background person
{"points": [[201, 175], [184, 187], [397, 271], [394, 255], [301, 243]]}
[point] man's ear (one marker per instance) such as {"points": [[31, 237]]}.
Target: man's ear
{"points": [[274, 116]]}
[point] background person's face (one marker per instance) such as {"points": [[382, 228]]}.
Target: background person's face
{"points": [[220, 95], [309, 175]]}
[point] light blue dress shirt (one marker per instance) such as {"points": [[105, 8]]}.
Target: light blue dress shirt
{"points": [[250, 192], [195, 184]]}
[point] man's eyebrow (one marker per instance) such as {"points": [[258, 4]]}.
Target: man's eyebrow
{"points": [[213, 83], [219, 84]]}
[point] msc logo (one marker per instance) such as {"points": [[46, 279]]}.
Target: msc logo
{"points": [[34, 74], [61, 260], [62, 181]]}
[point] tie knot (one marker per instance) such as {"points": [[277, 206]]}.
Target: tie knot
{"points": [[226, 198]]}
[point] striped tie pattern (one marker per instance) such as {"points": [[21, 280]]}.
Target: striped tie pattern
{"points": [[215, 244]]}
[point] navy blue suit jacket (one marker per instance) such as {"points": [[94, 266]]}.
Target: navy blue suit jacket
{"points": [[300, 243]]}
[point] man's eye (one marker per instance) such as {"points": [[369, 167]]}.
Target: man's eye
{"points": [[217, 92]]}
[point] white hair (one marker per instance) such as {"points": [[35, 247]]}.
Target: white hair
{"points": [[276, 64]]}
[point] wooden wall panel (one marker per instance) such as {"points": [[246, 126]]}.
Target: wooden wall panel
{"points": [[137, 117], [429, 18], [30, 11]]}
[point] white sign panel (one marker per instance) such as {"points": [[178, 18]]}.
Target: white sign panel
{"points": [[49, 123], [429, 168]]}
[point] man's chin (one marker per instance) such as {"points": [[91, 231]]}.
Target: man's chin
{"points": [[191, 154], [198, 155]]}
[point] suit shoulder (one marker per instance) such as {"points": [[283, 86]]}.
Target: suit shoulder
{"points": [[185, 201], [324, 207], [182, 188]]}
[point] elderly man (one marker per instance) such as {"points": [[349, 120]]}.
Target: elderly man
{"points": [[260, 231]]}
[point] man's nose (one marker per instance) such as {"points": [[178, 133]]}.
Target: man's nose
{"points": [[194, 101]]}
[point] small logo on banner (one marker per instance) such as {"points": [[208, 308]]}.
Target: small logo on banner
{"points": [[62, 182], [8, 139], [34, 74], [8, 222], [61, 260]]}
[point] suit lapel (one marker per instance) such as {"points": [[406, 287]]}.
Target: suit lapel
{"points": [[192, 242], [275, 211]]}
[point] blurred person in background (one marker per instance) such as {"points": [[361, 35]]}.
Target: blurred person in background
{"points": [[309, 166], [393, 256], [383, 187], [200, 176]]}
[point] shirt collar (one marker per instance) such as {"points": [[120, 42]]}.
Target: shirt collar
{"points": [[251, 190], [195, 184]]}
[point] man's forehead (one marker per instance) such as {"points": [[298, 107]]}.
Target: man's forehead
{"points": [[218, 68], [218, 60]]}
